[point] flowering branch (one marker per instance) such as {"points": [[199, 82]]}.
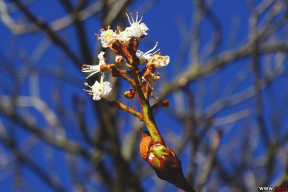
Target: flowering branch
{"points": [[125, 44]]}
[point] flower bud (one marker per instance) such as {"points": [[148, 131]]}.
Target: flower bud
{"points": [[129, 94], [105, 68], [120, 60]]}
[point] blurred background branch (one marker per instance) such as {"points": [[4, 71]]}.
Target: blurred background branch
{"points": [[227, 119]]}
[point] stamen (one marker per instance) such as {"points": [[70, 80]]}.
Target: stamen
{"points": [[128, 18], [151, 49], [86, 84], [156, 51], [132, 18], [108, 27], [91, 74], [140, 20], [87, 91], [136, 17], [96, 35]]}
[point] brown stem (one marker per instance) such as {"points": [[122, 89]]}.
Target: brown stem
{"points": [[125, 108]]}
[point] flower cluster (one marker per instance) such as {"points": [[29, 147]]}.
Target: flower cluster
{"points": [[125, 45]]}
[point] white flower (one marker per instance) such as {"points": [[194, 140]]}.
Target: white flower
{"points": [[94, 68], [143, 27], [90, 68], [150, 78], [159, 61], [99, 90], [136, 29], [143, 56], [108, 37], [124, 37]]}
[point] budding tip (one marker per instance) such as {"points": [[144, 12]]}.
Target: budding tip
{"points": [[84, 90], [96, 35], [85, 83]]}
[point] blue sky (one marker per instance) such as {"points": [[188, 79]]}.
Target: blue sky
{"points": [[162, 22]]}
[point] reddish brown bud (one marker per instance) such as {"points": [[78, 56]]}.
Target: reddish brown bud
{"points": [[165, 163], [154, 161]]}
